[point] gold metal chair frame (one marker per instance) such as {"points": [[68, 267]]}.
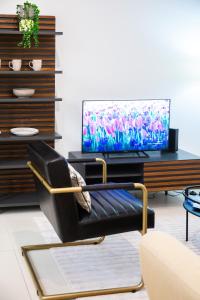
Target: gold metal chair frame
{"points": [[26, 249]]}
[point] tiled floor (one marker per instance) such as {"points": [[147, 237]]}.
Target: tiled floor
{"points": [[19, 227]]}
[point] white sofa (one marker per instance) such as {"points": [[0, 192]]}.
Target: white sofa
{"points": [[170, 270]]}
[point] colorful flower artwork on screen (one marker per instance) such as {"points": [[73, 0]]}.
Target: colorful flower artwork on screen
{"points": [[114, 126]]}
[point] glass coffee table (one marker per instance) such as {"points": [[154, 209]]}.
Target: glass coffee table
{"points": [[191, 203]]}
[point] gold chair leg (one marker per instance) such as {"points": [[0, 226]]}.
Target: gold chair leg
{"points": [[73, 295], [99, 240]]}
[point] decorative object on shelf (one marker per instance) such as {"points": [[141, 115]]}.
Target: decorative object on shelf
{"points": [[23, 92], [24, 131], [15, 64], [28, 15], [35, 64]]}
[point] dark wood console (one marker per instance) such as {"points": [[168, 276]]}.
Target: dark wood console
{"points": [[159, 172]]}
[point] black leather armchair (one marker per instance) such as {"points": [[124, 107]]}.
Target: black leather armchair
{"points": [[114, 210]]}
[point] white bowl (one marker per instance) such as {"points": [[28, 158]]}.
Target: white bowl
{"points": [[23, 92]]}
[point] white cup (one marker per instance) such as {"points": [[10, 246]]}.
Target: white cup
{"points": [[35, 64], [15, 64]]}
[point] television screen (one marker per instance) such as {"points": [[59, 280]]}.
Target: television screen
{"points": [[125, 125]]}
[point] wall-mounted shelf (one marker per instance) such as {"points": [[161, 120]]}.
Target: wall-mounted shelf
{"points": [[27, 100], [38, 137], [41, 32], [18, 199], [30, 72], [13, 164]]}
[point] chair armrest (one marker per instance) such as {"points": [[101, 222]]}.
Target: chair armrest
{"points": [[108, 186], [97, 159], [169, 269]]}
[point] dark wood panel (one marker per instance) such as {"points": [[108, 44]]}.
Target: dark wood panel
{"points": [[171, 175], [40, 116], [15, 150], [11, 22], [171, 163], [172, 178], [177, 183], [12, 181], [175, 166], [172, 168]]}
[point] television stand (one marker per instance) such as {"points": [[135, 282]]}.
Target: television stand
{"points": [[135, 154], [159, 172]]}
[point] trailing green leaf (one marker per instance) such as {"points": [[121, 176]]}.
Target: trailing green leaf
{"points": [[28, 16]]}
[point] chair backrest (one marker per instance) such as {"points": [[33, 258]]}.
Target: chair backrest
{"points": [[60, 209]]}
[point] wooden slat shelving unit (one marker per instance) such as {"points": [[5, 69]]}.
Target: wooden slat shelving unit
{"points": [[16, 180]]}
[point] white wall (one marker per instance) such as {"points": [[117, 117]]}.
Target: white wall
{"points": [[126, 49]]}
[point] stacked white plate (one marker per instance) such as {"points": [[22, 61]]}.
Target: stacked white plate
{"points": [[24, 131]]}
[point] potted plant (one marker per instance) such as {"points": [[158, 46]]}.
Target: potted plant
{"points": [[28, 16]]}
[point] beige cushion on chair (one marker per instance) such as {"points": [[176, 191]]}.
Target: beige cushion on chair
{"points": [[77, 180], [170, 270]]}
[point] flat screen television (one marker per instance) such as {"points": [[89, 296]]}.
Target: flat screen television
{"points": [[110, 126]]}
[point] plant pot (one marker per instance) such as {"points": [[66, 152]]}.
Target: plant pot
{"points": [[25, 12]]}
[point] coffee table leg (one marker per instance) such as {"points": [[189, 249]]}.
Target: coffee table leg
{"points": [[186, 226]]}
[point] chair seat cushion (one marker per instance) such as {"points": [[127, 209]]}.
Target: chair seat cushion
{"points": [[113, 211]]}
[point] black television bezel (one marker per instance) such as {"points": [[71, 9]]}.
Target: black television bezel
{"points": [[126, 151]]}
